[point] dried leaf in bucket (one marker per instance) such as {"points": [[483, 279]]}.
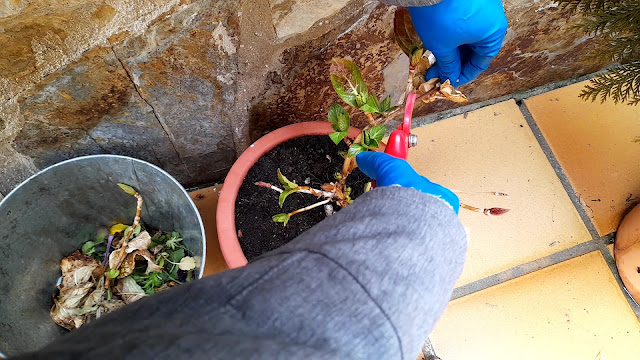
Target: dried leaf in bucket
{"points": [[117, 228], [77, 268], [129, 263], [187, 263], [90, 289], [141, 242], [129, 290]]}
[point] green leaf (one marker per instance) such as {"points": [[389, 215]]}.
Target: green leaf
{"points": [[127, 189], [174, 241], [385, 106], [100, 237], [88, 247], [366, 138], [176, 255], [348, 82], [174, 271], [286, 182], [284, 195], [378, 132], [113, 273], [155, 279], [343, 122], [339, 118], [336, 137], [372, 105], [368, 142], [356, 149], [282, 218]]}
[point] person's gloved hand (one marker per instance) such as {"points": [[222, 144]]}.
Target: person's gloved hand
{"points": [[464, 36], [388, 171]]}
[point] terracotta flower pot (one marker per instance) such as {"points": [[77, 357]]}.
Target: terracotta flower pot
{"points": [[226, 217], [627, 252]]}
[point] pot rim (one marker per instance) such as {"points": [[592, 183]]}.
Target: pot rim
{"points": [[626, 245], [225, 215]]}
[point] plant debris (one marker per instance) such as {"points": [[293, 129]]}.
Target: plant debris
{"points": [[104, 276]]}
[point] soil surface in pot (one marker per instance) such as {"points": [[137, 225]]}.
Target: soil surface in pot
{"points": [[307, 161]]}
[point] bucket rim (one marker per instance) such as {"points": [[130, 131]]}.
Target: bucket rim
{"points": [[80, 158]]}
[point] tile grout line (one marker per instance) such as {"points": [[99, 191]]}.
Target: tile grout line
{"points": [[527, 268], [597, 243], [595, 235], [564, 180], [611, 263]]}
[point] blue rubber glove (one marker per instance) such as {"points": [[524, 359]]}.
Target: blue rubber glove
{"points": [[389, 171], [464, 36]]}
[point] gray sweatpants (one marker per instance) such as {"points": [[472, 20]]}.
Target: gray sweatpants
{"points": [[367, 283]]}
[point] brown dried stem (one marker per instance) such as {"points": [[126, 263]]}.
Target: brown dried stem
{"points": [[488, 212], [370, 119], [121, 254]]}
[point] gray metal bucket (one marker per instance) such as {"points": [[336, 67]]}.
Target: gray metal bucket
{"points": [[54, 212]]}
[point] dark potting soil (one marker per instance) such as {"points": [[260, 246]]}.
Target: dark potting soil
{"points": [[313, 159]]}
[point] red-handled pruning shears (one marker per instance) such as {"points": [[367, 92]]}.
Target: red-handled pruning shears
{"points": [[402, 139]]}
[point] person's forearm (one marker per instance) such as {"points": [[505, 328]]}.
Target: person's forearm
{"points": [[369, 282], [411, 3], [405, 248]]}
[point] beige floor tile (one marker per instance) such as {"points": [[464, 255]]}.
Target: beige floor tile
{"points": [[570, 311], [595, 145], [493, 149], [206, 201]]}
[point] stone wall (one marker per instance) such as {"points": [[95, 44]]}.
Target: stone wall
{"points": [[187, 84], [147, 78], [541, 47]]}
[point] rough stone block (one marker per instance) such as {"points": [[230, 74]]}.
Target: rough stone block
{"points": [[91, 107], [165, 96], [291, 17], [39, 37], [185, 67]]}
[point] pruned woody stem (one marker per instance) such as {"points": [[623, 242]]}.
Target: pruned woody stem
{"points": [[122, 254], [310, 207], [300, 189], [350, 163], [349, 84]]}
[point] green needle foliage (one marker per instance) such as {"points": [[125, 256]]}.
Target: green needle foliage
{"points": [[618, 23]]}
